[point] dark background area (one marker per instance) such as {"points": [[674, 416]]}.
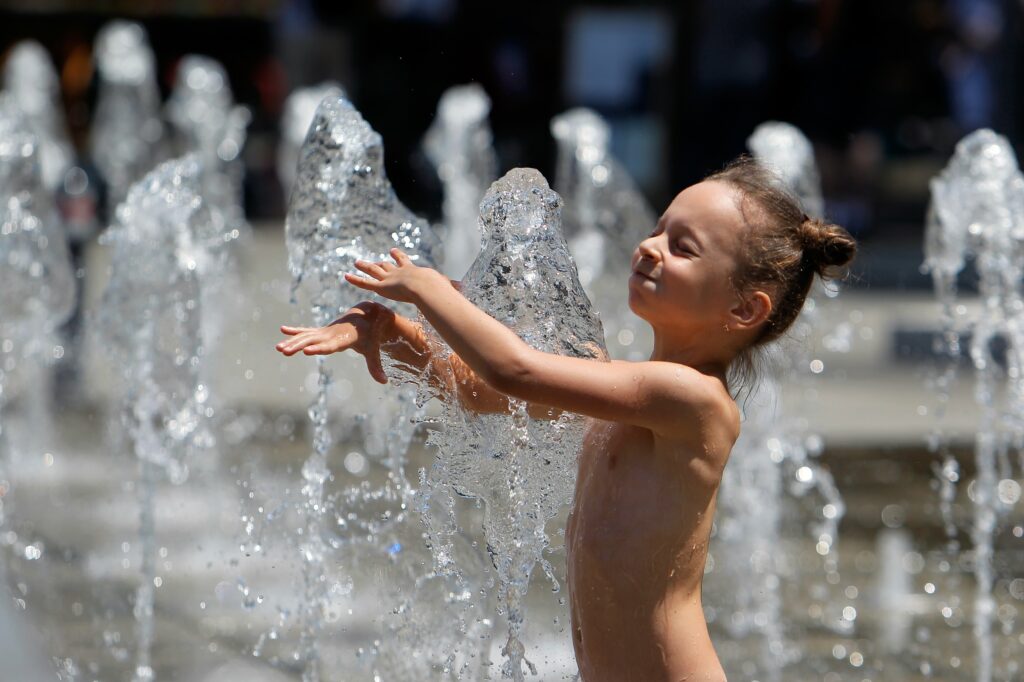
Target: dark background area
{"points": [[882, 88]]}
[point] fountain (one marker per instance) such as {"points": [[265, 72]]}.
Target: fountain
{"points": [[127, 135], [460, 145], [423, 610], [32, 81], [343, 209], [35, 274], [150, 321], [299, 109], [606, 216], [206, 121], [522, 468], [977, 211]]}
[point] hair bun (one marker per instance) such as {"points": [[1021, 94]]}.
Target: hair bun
{"points": [[826, 245]]}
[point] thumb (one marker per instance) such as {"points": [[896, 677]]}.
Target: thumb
{"points": [[373, 365]]}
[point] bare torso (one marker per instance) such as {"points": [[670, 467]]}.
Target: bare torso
{"points": [[637, 542]]}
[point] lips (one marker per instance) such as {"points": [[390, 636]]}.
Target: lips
{"points": [[637, 273]]}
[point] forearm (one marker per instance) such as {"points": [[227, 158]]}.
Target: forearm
{"points": [[490, 349], [407, 344]]}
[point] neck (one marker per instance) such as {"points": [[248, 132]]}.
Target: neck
{"points": [[708, 356]]}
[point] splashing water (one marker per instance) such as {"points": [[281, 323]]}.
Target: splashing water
{"points": [[208, 123], [31, 79], [460, 145], [149, 319], [521, 468], [977, 210], [605, 218], [299, 109], [36, 278], [127, 133], [343, 209]]}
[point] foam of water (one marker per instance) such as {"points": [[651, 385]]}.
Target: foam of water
{"points": [[521, 468], [605, 217], [977, 211], [460, 145], [127, 134]]}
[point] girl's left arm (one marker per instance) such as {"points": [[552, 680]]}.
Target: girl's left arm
{"points": [[667, 398]]}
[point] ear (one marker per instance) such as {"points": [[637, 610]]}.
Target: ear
{"points": [[750, 311]]}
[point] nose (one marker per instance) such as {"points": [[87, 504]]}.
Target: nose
{"points": [[647, 249]]}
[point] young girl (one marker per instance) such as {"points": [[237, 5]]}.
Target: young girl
{"points": [[726, 270]]}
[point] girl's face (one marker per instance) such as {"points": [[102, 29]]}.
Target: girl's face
{"points": [[682, 272]]}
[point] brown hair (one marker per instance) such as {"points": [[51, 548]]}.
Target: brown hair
{"points": [[785, 248]]}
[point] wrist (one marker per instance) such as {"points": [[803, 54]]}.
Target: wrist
{"points": [[429, 281]]}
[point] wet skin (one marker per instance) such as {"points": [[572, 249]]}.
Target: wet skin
{"points": [[637, 541]]}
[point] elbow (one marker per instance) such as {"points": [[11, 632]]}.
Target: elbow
{"points": [[512, 375]]}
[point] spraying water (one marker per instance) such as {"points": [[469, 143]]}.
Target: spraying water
{"points": [[977, 210], [36, 279], [460, 145], [32, 81], [208, 122], [521, 468], [150, 320], [127, 133], [343, 209], [605, 218], [299, 109]]}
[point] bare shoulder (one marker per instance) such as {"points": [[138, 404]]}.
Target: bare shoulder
{"points": [[706, 409]]}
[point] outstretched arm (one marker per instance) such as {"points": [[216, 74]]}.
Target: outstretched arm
{"points": [[370, 328], [667, 398]]}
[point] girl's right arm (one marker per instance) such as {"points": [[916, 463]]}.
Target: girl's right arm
{"points": [[370, 328]]}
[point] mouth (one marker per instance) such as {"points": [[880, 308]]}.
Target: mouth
{"points": [[642, 276]]}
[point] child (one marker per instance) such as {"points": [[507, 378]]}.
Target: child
{"points": [[725, 271]]}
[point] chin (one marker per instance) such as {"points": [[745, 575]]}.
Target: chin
{"points": [[636, 305]]}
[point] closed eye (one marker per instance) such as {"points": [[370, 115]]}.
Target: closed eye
{"points": [[685, 249]]}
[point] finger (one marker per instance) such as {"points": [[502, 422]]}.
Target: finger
{"points": [[316, 349], [372, 269], [400, 256], [299, 342], [373, 365], [285, 329], [362, 282], [386, 266]]}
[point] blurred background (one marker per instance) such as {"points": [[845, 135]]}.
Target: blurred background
{"points": [[882, 89]]}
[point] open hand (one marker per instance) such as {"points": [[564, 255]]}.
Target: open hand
{"points": [[398, 281], [360, 329]]}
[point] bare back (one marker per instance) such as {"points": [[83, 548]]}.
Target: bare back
{"points": [[637, 542]]}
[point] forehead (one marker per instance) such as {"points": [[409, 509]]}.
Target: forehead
{"points": [[711, 209]]}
